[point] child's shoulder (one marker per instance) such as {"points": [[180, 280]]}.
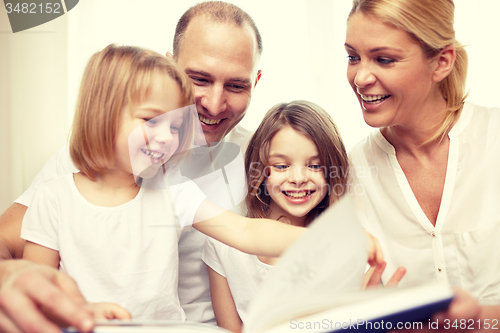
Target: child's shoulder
{"points": [[55, 189], [59, 184]]}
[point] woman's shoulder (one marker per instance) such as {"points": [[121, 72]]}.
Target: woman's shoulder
{"points": [[373, 144], [477, 119]]}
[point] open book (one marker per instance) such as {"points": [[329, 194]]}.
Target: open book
{"points": [[316, 288], [316, 285]]}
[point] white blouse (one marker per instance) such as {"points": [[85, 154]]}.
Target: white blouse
{"points": [[461, 248]]}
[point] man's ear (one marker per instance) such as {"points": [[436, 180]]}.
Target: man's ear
{"points": [[259, 74], [169, 55], [445, 62]]}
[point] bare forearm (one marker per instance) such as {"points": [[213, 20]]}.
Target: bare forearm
{"points": [[11, 244], [269, 238]]}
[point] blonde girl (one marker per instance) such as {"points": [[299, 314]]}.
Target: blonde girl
{"points": [[297, 167], [117, 239]]}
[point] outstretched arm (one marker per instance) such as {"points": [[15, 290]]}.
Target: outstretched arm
{"points": [[223, 304], [254, 236]]}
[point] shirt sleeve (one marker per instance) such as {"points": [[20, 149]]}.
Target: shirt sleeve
{"points": [[58, 165], [40, 223], [212, 254], [187, 198]]}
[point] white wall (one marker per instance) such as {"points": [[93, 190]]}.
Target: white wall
{"points": [[303, 58]]}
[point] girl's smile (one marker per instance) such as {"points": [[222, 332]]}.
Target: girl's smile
{"points": [[296, 182]]}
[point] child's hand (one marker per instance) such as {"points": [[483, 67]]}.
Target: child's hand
{"points": [[375, 256], [108, 311]]}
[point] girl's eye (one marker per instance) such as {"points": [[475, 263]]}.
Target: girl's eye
{"points": [[174, 129], [315, 167], [150, 121], [385, 61], [281, 167], [352, 59]]}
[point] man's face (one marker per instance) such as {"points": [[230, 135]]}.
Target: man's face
{"points": [[221, 60]]}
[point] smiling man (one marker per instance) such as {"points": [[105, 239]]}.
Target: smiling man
{"points": [[218, 46]]}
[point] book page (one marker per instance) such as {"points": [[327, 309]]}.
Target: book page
{"points": [[329, 259]]}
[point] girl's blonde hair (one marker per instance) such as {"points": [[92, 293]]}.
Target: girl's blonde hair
{"points": [[430, 22], [115, 78], [316, 124]]}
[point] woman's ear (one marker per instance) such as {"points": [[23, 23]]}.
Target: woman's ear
{"points": [[445, 62]]}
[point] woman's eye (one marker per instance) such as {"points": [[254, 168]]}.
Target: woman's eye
{"points": [[352, 59], [280, 167], [385, 61]]}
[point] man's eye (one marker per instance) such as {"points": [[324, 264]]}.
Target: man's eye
{"points": [[236, 87], [198, 80]]}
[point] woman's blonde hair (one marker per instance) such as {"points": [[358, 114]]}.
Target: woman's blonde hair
{"points": [[430, 22], [316, 124], [115, 78]]}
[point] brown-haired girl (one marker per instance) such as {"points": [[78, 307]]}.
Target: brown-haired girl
{"points": [[297, 167]]}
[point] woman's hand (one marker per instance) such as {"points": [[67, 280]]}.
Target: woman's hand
{"points": [[375, 255]]}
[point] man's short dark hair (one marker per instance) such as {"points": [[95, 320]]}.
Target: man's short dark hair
{"points": [[217, 11]]}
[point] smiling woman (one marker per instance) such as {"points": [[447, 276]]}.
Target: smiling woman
{"points": [[433, 204]]}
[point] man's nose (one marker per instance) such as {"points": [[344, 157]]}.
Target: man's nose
{"points": [[214, 99]]}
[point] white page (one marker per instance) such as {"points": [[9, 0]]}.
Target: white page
{"points": [[330, 257]]}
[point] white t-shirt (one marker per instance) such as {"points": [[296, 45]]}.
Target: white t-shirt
{"points": [[244, 272], [194, 290], [461, 249], [125, 254], [226, 188]]}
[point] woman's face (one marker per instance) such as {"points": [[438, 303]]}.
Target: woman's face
{"points": [[388, 72]]}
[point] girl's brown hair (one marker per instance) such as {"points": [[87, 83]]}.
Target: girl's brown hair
{"points": [[316, 124], [115, 78]]}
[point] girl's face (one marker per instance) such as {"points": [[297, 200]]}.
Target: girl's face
{"points": [[296, 182], [148, 134], [388, 72]]}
